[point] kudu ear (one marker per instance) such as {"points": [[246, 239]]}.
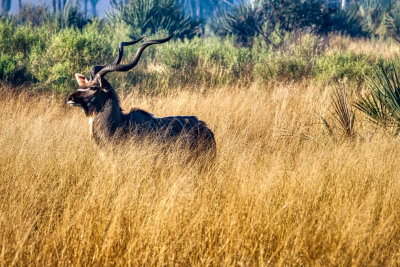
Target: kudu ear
{"points": [[82, 81]]}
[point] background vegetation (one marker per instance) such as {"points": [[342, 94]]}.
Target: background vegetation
{"points": [[304, 102], [265, 41]]}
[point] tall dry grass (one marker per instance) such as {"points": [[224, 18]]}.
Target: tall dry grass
{"points": [[281, 191]]}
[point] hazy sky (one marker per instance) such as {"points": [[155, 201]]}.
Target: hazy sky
{"points": [[100, 8]]}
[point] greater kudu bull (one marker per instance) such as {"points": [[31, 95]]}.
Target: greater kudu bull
{"points": [[107, 122]]}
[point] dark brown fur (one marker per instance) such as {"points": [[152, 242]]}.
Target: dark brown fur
{"points": [[109, 123]]}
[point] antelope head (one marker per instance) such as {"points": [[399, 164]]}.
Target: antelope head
{"points": [[93, 93]]}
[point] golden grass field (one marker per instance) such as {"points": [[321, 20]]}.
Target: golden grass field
{"points": [[281, 191]]}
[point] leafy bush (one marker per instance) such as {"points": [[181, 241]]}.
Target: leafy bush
{"points": [[7, 30], [8, 66], [293, 60], [12, 71], [49, 56], [337, 65], [211, 62], [278, 66], [14, 49], [71, 51], [150, 17]]}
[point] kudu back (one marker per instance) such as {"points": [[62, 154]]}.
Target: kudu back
{"points": [[107, 122]]}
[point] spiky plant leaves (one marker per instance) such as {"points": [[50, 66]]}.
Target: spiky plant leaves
{"points": [[72, 17], [372, 105], [382, 102], [392, 23], [380, 17], [312, 16], [348, 21], [152, 16], [389, 81], [343, 112], [246, 22]]}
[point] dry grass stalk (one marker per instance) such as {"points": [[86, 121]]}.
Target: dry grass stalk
{"points": [[267, 200]]}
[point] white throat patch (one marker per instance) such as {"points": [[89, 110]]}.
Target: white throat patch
{"points": [[91, 126]]}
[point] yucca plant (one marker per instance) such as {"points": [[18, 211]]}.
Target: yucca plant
{"points": [[151, 16], [245, 21], [312, 16], [392, 23], [70, 16], [382, 102], [343, 112]]}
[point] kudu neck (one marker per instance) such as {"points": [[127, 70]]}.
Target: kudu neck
{"points": [[111, 106], [107, 120]]}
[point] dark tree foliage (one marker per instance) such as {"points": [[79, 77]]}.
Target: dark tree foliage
{"points": [[5, 6], [70, 16], [204, 9], [29, 14], [94, 4], [151, 16], [346, 21], [245, 22], [392, 23], [314, 16], [373, 13]]}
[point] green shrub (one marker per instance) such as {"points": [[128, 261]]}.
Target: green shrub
{"points": [[212, 61], [15, 46], [49, 57], [182, 55], [8, 66], [6, 36], [16, 40], [293, 60], [70, 51], [338, 65], [281, 67], [12, 71]]}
